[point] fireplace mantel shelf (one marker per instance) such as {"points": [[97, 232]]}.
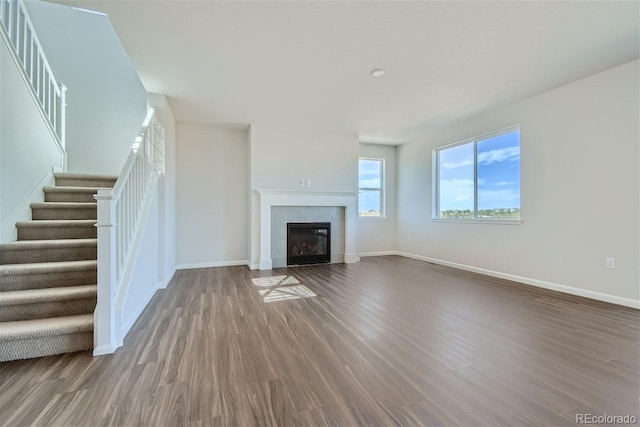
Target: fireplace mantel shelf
{"points": [[307, 192]]}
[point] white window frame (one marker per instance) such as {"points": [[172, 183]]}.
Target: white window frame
{"points": [[435, 215], [383, 210]]}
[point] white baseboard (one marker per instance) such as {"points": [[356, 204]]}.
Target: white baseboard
{"points": [[212, 264], [627, 302], [165, 283], [383, 253], [104, 349]]}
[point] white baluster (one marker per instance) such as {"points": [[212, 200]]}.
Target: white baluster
{"points": [[63, 116]]}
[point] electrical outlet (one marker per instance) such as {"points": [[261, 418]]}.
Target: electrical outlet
{"points": [[308, 183], [610, 262], [408, 236], [301, 182]]}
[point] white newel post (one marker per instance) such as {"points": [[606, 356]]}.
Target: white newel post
{"points": [[106, 334]]}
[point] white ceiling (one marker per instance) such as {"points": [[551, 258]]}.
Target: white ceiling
{"points": [[306, 64]]}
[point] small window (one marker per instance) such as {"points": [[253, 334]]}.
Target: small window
{"points": [[479, 179], [371, 194]]}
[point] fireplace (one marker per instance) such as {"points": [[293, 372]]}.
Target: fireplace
{"points": [[279, 207], [308, 243]]}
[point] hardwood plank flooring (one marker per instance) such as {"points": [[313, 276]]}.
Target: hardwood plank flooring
{"points": [[387, 341]]}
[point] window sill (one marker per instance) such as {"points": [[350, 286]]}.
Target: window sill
{"points": [[374, 218], [480, 221]]}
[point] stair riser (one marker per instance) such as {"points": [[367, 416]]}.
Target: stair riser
{"points": [[71, 213], [60, 196], [45, 346], [75, 182], [43, 310], [48, 255], [48, 280], [52, 233]]}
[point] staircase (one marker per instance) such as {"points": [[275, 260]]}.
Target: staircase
{"points": [[48, 277]]}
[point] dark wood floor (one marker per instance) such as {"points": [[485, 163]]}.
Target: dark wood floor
{"points": [[387, 341]]}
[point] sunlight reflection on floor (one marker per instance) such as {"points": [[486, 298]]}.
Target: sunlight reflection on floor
{"points": [[275, 281], [281, 289]]}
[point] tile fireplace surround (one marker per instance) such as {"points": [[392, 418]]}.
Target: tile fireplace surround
{"points": [[283, 215], [291, 199]]}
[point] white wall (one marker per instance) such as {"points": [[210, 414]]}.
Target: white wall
{"points": [[167, 192], [106, 102], [579, 190], [28, 150], [377, 236], [282, 156], [211, 195]]}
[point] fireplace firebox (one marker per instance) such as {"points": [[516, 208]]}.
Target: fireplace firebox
{"points": [[308, 243]]}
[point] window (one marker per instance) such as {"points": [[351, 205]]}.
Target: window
{"points": [[371, 196], [479, 179]]}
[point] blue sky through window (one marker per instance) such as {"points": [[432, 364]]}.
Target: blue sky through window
{"points": [[498, 174], [370, 171], [456, 178]]}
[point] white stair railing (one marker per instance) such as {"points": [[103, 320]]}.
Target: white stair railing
{"points": [[18, 29], [120, 216]]}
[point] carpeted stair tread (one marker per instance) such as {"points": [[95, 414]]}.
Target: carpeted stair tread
{"points": [[70, 194], [47, 302], [45, 267], [71, 189], [32, 251], [63, 210], [38, 328], [15, 277], [84, 180], [58, 223], [64, 205], [31, 296], [86, 176], [48, 229], [38, 244]]}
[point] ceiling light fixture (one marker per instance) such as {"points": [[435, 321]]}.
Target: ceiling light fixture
{"points": [[377, 72]]}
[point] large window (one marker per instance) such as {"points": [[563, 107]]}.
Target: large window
{"points": [[371, 177], [479, 179]]}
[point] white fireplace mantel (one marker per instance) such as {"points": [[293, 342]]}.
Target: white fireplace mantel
{"points": [[346, 199]]}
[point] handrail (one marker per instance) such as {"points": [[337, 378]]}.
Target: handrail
{"points": [[121, 211], [131, 189], [18, 29]]}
